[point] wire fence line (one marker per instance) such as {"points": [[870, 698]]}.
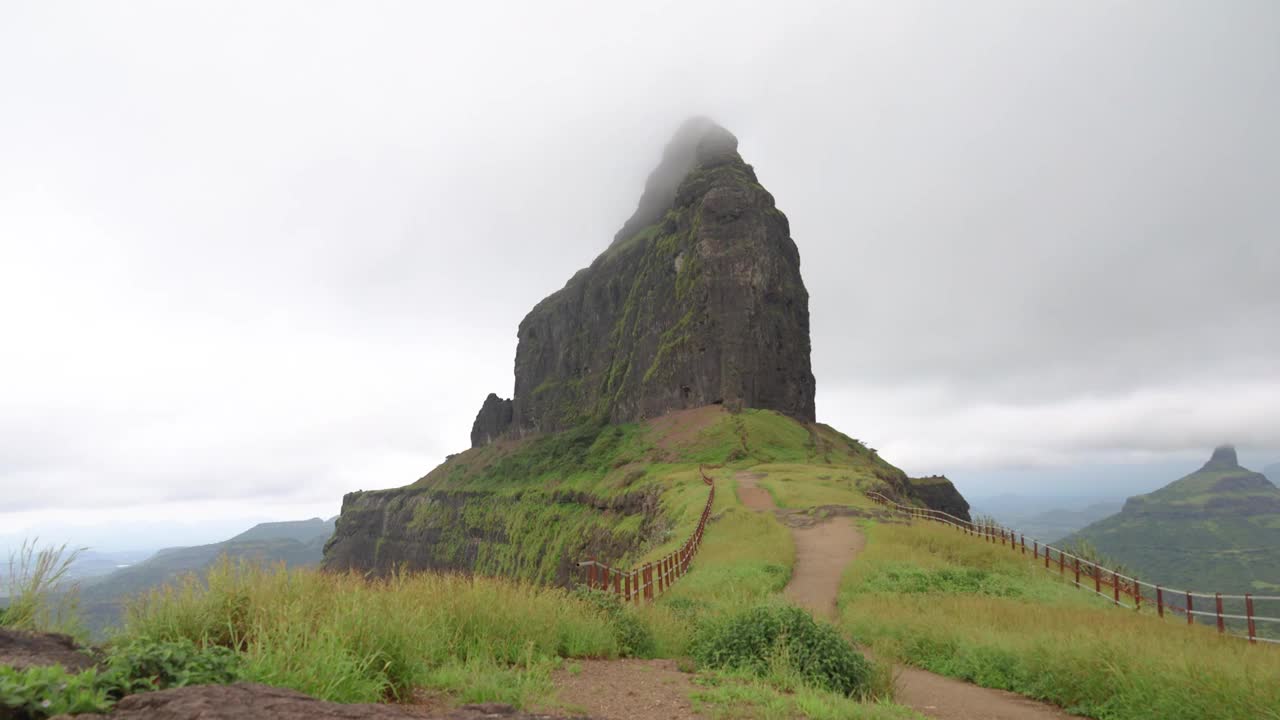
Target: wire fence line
{"points": [[653, 578], [1121, 589]]}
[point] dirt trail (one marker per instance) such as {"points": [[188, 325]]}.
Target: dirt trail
{"points": [[626, 690], [822, 553]]}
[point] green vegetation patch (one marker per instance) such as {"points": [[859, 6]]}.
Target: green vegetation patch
{"points": [[1047, 640], [781, 638], [343, 638], [140, 665]]}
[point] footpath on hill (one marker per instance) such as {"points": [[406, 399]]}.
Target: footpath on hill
{"points": [[823, 551]]}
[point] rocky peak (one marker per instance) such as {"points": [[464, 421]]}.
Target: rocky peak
{"points": [[493, 420], [696, 140], [1224, 458], [698, 300]]}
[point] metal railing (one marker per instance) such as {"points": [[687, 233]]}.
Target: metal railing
{"points": [[652, 578], [1122, 590]]}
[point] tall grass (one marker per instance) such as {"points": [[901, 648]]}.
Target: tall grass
{"points": [[348, 639], [41, 595], [963, 608]]}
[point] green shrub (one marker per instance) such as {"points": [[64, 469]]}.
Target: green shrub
{"points": [[40, 692], [773, 639], [139, 666], [634, 637], [146, 664]]}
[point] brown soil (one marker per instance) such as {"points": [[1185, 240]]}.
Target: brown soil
{"points": [[682, 427], [20, 649], [823, 551], [950, 699], [626, 690], [752, 495], [248, 701]]}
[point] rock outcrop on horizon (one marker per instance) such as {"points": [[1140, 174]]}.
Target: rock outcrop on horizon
{"points": [[697, 301]]}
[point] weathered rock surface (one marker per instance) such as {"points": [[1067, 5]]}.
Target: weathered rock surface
{"points": [[248, 701], [938, 493], [492, 422], [698, 300], [433, 528], [21, 649]]}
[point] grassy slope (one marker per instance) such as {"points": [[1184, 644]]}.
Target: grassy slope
{"points": [[922, 595], [549, 497], [961, 607]]}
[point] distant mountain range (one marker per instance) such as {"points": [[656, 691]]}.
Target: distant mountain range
{"points": [[1046, 518], [1215, 530], [296, 543]]}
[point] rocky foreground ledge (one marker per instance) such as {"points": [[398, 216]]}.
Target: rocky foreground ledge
{"points": [[242, 701], [248, 701]]}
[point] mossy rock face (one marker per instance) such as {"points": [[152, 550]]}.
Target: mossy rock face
{"points": [[699, 300]]}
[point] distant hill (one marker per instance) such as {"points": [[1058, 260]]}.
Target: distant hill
{"points": [[96, 563], [1217, 529], [295, 543], [1052, 525], [1272, 472]]}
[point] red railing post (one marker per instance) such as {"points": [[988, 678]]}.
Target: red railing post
{"points": [[1248, 613], [1035, 549], [1097, 579], [1137, 594], [1160, 600], [647, 582], [1024, 543], [1061, 564], [1077, 561], [626, 588], [1222, 626], [1115, 590], [1191, 618]]}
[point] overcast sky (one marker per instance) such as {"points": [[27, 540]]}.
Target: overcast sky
{"points": [[256, 255]]}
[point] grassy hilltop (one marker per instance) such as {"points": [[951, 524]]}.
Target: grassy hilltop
{"points": [[919, 594], [531, 508]]}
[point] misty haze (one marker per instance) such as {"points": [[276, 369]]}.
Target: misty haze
{"points": [[683, 360]]}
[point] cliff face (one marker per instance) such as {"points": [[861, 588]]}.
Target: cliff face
{"points": [[697, 301], [938, 493]]}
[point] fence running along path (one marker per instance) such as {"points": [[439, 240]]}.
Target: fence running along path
{"points": [[653, 578], [1122, 590]]}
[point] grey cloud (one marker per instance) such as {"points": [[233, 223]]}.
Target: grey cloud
{"points": [[281, 250]]}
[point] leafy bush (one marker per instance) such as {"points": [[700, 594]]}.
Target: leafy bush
{"points": [[40, 692], [771, 639], [146, 664], [634, 637], [139, 666]]}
